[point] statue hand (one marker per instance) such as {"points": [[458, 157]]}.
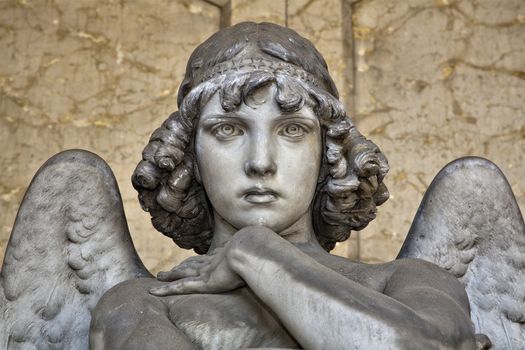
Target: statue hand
{"points": [[200, 274]]}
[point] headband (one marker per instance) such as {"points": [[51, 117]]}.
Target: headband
{"points": [[251, 64]]}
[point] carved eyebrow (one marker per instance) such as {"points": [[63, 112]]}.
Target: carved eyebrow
{"points": [[221, 116], [235, 118], [213, 119], [299, 117]]}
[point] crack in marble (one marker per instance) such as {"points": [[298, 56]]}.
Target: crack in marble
{"points": [[449, 71], [456, 122], [453, 62], [391, 27], [300, 11], [364, 32], [316, 34], [7, 194], [519, 20], [510, 136], [95, 38]]}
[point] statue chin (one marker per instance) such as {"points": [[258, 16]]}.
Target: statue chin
{"points": [[261, 172]]}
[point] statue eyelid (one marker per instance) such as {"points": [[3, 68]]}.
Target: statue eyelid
{"points": [[226, 130], [293, 130]]}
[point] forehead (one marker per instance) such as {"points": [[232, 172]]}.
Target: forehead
{"points": [[259, 104]]}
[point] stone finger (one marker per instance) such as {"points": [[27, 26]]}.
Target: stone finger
{"points": [[183, 286], [178, 272]]}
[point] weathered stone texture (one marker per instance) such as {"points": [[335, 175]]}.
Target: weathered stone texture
{"points": [[96, 75], [437, 80]]}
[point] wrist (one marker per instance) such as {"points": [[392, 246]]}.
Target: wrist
{"points": [[247, 244]]}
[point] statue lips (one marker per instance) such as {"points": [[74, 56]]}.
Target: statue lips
{"points": [[258, 195]]}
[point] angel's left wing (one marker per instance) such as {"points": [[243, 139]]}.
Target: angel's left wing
{"points": [[470, 224], [69, 245]]}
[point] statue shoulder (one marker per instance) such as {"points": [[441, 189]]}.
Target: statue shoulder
{"points": [[398, 275], [410, 274], [414, 270]]}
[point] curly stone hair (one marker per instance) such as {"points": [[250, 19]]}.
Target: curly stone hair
{"points": [[350, 184]]}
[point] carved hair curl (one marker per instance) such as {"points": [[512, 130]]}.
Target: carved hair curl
{"points": [[352, 170]]}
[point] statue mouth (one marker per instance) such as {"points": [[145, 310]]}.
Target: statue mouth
{"points": [[258, 195]]}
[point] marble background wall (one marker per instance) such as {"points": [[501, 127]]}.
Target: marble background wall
{"points": [[428, 80]]}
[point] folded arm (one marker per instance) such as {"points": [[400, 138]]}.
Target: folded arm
{"points": [[422, 307]]}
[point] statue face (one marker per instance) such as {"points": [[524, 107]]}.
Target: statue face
{"points": [[258, 164]]}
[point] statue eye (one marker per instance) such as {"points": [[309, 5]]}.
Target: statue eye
{"points": [[293, 130], [226, 131]]}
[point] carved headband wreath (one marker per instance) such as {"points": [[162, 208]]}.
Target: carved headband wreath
{"points": [[251, 64]]}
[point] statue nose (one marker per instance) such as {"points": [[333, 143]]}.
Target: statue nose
{"points": [[260, 160]]}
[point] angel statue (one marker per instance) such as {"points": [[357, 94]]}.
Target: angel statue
{"points": [[261, 172]]}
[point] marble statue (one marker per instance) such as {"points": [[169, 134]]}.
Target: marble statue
{"points": [[261, 172]]}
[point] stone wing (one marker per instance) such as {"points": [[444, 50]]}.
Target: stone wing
{"points": [[470, 224], [70, 244]]}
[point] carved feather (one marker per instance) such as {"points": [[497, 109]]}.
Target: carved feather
{"points": [[69, 245], [470, 224]]}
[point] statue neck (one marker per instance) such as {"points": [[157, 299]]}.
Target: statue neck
{"points": [[300, 232]]}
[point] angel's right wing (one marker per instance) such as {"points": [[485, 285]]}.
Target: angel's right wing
{"points": [[470, 224], [69, 245]]}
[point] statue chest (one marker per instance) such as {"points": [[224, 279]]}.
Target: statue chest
{"points": [[234, 320]]}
